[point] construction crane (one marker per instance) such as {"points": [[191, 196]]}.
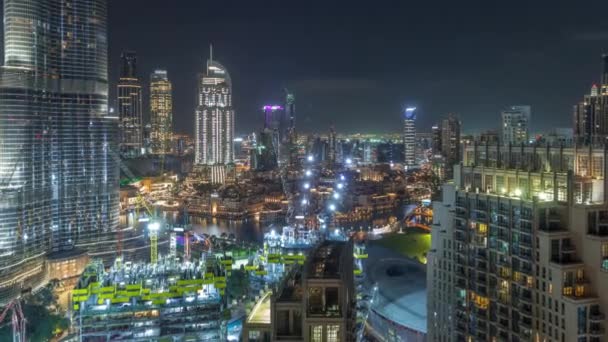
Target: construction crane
{"points": [[18, 320], [141, 201]]}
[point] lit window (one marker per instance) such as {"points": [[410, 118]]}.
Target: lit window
{"points": [[333, 333], [316, 334]]}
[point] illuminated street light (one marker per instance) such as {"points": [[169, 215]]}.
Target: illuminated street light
{"points": [[154, 226], [336, 195], [342, 177], [306, 186], [311, 158], [304, 202], [332, 207], [308, 173], [349, 161], [340, 186]]}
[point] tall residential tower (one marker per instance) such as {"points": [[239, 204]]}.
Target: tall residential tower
{"points": [[520, 247], [58, 182], [516, 125], [161, 112], [130, 106]]}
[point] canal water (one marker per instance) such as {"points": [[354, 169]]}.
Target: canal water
{"points": [[251, 230]]}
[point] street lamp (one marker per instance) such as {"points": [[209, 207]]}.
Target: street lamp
{"points": [[306, 186], [308, 173], [332, 207], [340, 186], [311, 158], [336, 195], [304, 202]]}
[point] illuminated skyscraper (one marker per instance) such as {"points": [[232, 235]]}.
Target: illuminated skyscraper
{"points": [[591, 115], [161, 112], [58, 182], [516, 125], [409, 136], [446, 143], [332, 146], [276, 125], [214, 117], [130, 106], [290, 112]]}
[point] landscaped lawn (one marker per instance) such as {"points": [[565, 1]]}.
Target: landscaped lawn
{"points": [[413, 245]]}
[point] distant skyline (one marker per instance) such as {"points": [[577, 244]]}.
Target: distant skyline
{"points": [[357, 65]]}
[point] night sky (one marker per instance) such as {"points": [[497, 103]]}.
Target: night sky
{"points": [[358, 63]]}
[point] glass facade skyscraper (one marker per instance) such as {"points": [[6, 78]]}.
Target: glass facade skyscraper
{"points": [[409, 136], [214, 117], [130, 106], [58, 183], [161, 112]]}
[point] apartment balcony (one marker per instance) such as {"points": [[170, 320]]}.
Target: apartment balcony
{"points": [[503, 312], [503, 262], [600, 231], [596, 331], [525, 309], [461, 328], [568, 249], [460, 237], [481, 255], [597, 317], [526, 323], [565, 259], [526, 297]]}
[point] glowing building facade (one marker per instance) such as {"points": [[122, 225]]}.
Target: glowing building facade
{"points": [[130, 106], [58, 182], [214, 117], [409, 136], [516, 125], [161, 112], [591, 115]]}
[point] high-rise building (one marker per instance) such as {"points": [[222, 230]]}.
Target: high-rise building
{"points": [[58, 181], [436, 134], [276, 125], [409, 136], [290, 113], [316, 302], [214, 117], [130, 106], [332, 144], [591, 115], [516, 125], [161, 112], [520, 247]]}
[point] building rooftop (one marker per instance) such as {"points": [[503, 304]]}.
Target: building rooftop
{"points": [[260, 314], [325, 261]]}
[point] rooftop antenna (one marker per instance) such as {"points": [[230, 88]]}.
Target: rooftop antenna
{"points": [[210, 55]]}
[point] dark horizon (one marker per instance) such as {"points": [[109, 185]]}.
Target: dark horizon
{"points": [[357, 66]]}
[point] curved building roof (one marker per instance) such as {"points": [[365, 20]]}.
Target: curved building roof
{"points": [[218, 71]]}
